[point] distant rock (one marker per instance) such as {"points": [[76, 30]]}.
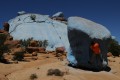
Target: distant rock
{"points": [[21, 13], [58, 14], [59, 17]]}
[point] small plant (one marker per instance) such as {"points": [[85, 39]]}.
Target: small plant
{"points": [[2, 38], [26, 43], [40, 43], [3, 48], [114, 47], [19, 56], [45, 43], [33, 17], [33, 76], [55, 72]]}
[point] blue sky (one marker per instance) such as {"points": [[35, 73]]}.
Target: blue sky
{"points": [[105, 12]]}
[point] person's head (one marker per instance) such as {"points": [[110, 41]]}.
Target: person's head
{"points": [[93, 42]]}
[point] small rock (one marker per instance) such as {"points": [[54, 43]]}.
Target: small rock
{"points": [[60, 49], [34, 54], [109, 54]]}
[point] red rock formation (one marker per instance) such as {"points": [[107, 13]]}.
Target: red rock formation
{"points": [[2, 31], [34, 54], [18, 50], [9, 38], [59, 18], [6, 26], [32, 49], [42, 49], [12, 44], [27, 55], [60, 50], [34, 43], [35, 49]]}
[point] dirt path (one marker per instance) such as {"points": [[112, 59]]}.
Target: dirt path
{"points": [[40, 67]]}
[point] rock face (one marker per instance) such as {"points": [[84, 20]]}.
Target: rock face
{"points": [[42, 28], [21, 13], [12, 43], [6, 26], [81, 32], [58, 14]]}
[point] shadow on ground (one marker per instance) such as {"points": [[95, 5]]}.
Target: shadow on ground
{"points": [[107, 69]]}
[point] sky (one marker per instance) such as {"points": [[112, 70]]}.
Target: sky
{"points": [[105, 12]]}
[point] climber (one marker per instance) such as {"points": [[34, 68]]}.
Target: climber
{"points": [[95, 47], [96, 56]]}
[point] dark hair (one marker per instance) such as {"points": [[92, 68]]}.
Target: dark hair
{"points": [[93, 42]]}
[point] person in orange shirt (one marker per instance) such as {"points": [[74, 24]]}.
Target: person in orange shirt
{"points": [[95, 47]]}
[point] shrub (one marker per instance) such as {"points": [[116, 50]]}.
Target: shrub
{"points": [[40, 43], [33, 17], [2, 38], [19, 56], [3, 48], [45, 43], [18, 53], [114, 47], [33, 76], [55, 72], [26, 43]]}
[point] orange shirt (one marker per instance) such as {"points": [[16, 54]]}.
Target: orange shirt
{"points": [[96, 48]]}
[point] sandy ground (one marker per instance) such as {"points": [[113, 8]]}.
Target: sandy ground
{"points": [[40, 67]]}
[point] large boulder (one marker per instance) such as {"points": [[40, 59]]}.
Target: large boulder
{"points": [[81, 32], [43, 28], [12, 43]]}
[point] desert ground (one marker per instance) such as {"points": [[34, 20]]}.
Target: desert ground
{"points": [[23, 70]]}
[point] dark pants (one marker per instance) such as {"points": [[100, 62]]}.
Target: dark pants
{"points": [[96, 59]]}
